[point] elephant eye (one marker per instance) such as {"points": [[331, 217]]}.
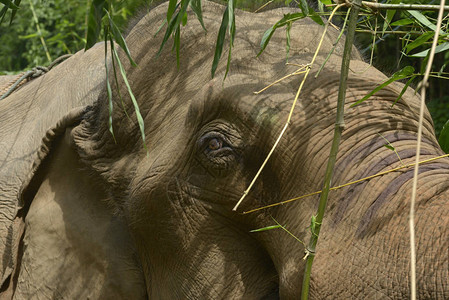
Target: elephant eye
{"points": [[215, 144], [217, 151]]}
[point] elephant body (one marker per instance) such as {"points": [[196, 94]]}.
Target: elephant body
{"points": [[89, 215]]}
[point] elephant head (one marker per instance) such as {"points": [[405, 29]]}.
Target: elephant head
{"points": [[156, 220]]}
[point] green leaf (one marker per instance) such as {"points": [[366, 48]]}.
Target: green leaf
{"points": [[174, 23], [304, 6], [444, 137], [389, 16], [140, 120], [171, 9], [282, 22], [267, 228], [3, 13], [404, 89], [438, 49], [422, 19], [308, 11], [326, 2], [184, 20], [403, 22], [231, 24], [389, 147], [419, 41], [315, 17], [118, 38], [14, 11], [10, 4], [29, 36], [96, 13], [196, 8], [401, 74], [114, 69], [108, 85], [289, 26], [220, 40]]}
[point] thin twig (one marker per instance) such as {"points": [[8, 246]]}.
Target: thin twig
{"points": [[308, 68], [375, 5], [418, 149], [335, 44], [392, 147], [263, 6], [297, 72], [286, 230], [389, 31]]}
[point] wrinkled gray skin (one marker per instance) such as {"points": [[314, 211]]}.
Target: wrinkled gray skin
{"points": [[102, 219]]}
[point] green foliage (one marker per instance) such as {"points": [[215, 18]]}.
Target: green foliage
{"points": [[439, 109], [63, 26], [408, 34]]}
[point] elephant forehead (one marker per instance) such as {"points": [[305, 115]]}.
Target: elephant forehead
{"points": [[235, 99]]}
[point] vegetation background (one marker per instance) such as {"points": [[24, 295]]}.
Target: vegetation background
{"points": [[61, 26]]}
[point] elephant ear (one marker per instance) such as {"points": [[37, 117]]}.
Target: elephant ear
{"points": [[25, 116], [15, 205], [71, 235]]}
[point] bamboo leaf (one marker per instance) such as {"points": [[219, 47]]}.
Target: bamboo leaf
{"points": [[404, 89], [326, 2], [174, 22], [96, 13], [438, 49], [196, 7], [171, 9], [403, 22], [184, 19], [303, 6], [10, 4], [118, 38], [423, 19], [401, 74], [220, 40], [231, 25], [108, 85], [140, 120], [3, 13], [444, 137], [389, 16], [266, 228], [14, 11], [419, 41], [315, 17], [389, 147], [282, 22], [114, 69], [289, 26]]}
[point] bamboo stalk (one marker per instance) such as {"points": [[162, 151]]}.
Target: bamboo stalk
{"points": [[339, 127]]}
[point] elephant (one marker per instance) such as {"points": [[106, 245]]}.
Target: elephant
{"points": [[90, 214]]}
